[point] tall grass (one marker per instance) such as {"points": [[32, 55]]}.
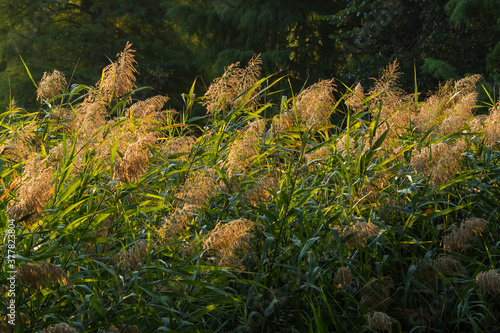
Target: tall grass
{"points": [[131, 217]]}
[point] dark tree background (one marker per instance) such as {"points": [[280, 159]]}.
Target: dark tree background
{"points": [[178, 40]]}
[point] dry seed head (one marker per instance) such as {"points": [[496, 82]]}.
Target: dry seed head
{"points": [[35, 190], [315, 103], [176, 225], [318, 154], [90, 118], [198, 188], [445, 264], [224, 91], [355, 100], [460, 235], [60, 328], [135, 160], [361, 230], [230, 242], [41, 275], [118, 78], [492, 126], [379, 321], [489, 281], [440, 159], [388, 82], [245, 146], [343, 277], [124, 329], [147, 107], [51, 85], [262, 191], [182, 145]]}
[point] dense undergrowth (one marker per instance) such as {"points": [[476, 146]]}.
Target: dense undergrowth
{"points": [[130, 217]]}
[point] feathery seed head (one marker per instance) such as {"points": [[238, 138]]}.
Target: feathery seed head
{"points": [[262, 191], [180, 145], [460, 235], [315, 103], [41, 275], [343, 277], [489, 281], [176, 225], [118, 78], [135, 256], [361, 230], [135, 160], [245, 146], [376, 293], [226, 91], [51, 85], [230, 242], [379, 321], [198, 188], [355, 99]]}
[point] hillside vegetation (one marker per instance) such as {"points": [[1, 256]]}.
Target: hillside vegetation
{"points": [[262, 216]]}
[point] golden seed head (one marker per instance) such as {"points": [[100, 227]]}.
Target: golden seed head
{"points": [[460, 235], [361, 231], [118, 78], [177, 224], [244, 148], [445, 264], [355, 99], [315, 103], [261, 192], [35, 190], [489, 281], [198, 188], [379, 321], [227, 91], [343, 277], [230, 242], [41, 275], [51, 85], [181, 145], [135, 160]]}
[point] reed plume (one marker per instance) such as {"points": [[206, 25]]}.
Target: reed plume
{"points": [[35, 190], [230, 242], [135, 160], [135, 256], [376, 293], [178, 145], [460, 235], [492, 126], [118, 78], [343, 277], [261, 192], [361, 231], [51, 85], [379, 321], [440, 160], [356, 99], [489, 281], [228, 90], [244, 148], [41, 275]]}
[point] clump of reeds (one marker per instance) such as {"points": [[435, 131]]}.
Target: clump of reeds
{"points": [[343, 277], [489, 281], [35, 189], [379, 321], [230, 242], [228, 90], [41, 275], [459, 235], [51, 85], [244, 148], [20, 145], [60, 328]]}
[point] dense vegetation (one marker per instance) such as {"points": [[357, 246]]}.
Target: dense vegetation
{"points": [[261, 216]]}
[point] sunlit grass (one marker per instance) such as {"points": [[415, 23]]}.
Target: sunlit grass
{"points": [[131, 217]]}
